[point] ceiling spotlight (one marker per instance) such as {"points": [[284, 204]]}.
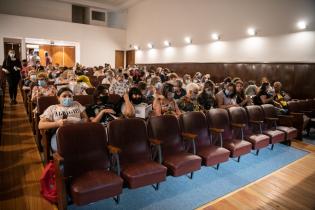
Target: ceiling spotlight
{"points": [[188, 40], [150, 45], [251, 31], [136, 47], [301, 25], [215, 36], [167, 43]]}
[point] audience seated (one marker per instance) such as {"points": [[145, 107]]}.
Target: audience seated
{"points": [[43, 89], [227, 96]]}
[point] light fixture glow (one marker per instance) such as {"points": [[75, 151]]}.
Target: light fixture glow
{"points": [[301, 25], [215, 36], [251, 31], [188, 40], [136, 47], [167, 43], [150, 45]]}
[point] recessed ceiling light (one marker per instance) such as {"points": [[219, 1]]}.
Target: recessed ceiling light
{"points": [[150, 45], [188, 40], [251, 31], [301, 25], [167, 43], [215, 36]]}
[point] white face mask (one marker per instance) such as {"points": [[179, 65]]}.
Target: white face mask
{"points": [[11, 55]]}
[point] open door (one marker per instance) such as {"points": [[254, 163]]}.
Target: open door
{"points": [[130, 57], [119, 58], [12, 44]]}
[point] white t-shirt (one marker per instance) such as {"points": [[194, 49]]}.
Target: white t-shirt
{"points": [[56, 112]]}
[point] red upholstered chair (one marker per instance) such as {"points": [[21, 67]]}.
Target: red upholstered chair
{"points": [[275, 121], [43, 103], [257, 119], [166, 130], [297, 116], [83, 165], [130, 138], [245, 130], [219, 123], [90, 91], [84, 100], [211, 152]]}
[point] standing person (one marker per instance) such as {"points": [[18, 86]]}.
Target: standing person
{"points": [[48, 59], [12, 66]]}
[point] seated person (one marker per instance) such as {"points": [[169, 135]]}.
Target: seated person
{"points": [[241, 98], [179, 90], [131, 99], [109, 78], [120, 87], [30, 80], [147, 92], [280, 96], [78, 88], [62, 79], [251, 88], [186, 80], [43, 89], [165, 103], [68, 111], [226, 97], [103, 111], [84, 80], [206, 98], [263, 97], [99, 71], [189, 102]]}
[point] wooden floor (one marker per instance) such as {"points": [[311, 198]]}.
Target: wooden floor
{"points": [[292, 187]]}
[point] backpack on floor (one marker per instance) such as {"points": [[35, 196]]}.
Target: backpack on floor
{"points": [[48, 183]]}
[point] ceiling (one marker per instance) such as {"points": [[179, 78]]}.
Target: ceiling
{"points": [[104, 4]]}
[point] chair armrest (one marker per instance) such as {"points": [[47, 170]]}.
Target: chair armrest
{"points": [[271, 118], [57, 158], [189, 136], [238, 125], [113, 149], [286, 116], [296, 113], [216, 130], [155, 141], [258, 122]]}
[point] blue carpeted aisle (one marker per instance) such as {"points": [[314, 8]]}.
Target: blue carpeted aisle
{"points": [[207, 185]]}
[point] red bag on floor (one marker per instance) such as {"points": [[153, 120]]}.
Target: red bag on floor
{"points": [[48, 183]]}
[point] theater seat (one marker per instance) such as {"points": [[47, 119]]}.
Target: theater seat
{"points": [[84, 100], [257, 118], [272, 119], [176, 157], [83, 164], [211, 152], [218, 119], [138, 168]]}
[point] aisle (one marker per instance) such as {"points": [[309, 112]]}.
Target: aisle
{"points": [[20, 164]]}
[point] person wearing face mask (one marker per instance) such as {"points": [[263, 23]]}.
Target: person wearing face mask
{"points": [[206, 98], [132, 99], [186, 80], [179, 90], [11, 67], [30, 80], [241, 98], [103, 111], [109, 78], [66, 112], [226, 98], [43, 89], [120, 86], [189, 102], [166, 104]]}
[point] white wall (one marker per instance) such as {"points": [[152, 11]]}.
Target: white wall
{"points": [[97, 43], [45, 9], [278, 39]]}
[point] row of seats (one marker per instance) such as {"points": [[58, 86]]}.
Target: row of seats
{"points": [[97, 162]]}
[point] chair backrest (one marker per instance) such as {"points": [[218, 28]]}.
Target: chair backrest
{"points": [[166, 128], [219, 118], [84, 99], [303, 105], [255, 113], [293, 106], [114, 98], [238, 115], [269, 110], [196, 123], [83, 147], [90, 91], [131, 136], [44, 102]]}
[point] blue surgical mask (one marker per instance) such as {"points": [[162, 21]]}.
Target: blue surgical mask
{"points": [[42, 83], [67, 101]]}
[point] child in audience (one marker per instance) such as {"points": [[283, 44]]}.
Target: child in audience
{"points": [[67, 112], [43, 89]]}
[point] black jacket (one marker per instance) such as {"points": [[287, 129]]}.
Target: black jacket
{"points": [[9, 64]]}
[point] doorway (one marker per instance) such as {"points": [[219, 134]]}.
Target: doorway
{"points": [[130, 57], [12, 44], [119, 58]]}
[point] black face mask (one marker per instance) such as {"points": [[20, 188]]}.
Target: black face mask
{"points": [[103, 99], [136, 101]]}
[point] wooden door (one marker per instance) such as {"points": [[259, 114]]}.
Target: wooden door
{"points": [[119, 58], [69, 56], [130, 57]]}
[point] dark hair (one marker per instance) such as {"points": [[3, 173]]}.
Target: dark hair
{"points": [[63, 89], [231, 84], [142, 85], [263, 87], [227, 80], [209, 83], [167, 87]]}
